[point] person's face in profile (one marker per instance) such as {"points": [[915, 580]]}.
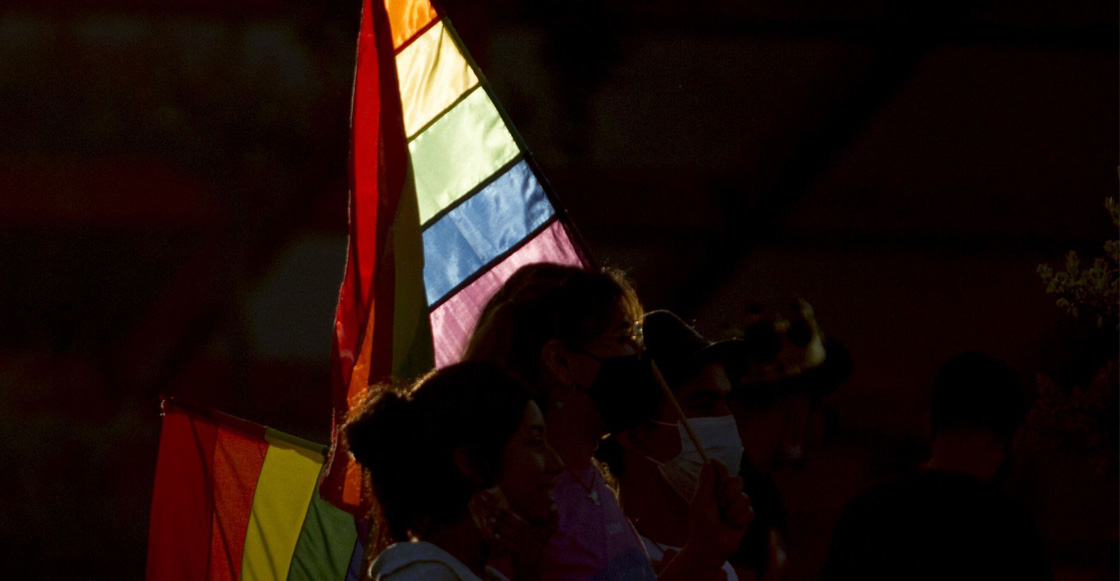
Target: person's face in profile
{"points": [[529, 469], [619, 338], [770, 429], [703, 395]]}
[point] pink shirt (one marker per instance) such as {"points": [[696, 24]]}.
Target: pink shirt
{"points": [[594, 541]]}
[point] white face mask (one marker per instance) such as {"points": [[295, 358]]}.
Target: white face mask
{"points": [[720, 438]]}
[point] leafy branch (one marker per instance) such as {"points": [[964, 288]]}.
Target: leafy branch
{"points": [[1083, 417], [1095, 290]]}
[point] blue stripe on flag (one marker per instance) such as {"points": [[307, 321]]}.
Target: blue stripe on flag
{"points": [[482, 228]]}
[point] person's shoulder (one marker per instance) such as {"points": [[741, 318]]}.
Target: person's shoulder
{"points": [[920, 483], [955, 490], [493, 574], [418, 571], [757, 481], [416, 562], [881, 502], [933, 497], [883, 491]]}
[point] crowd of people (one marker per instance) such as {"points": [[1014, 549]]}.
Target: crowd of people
{"points": [[581, 438]]}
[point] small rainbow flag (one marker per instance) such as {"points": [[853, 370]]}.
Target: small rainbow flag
{"points": [[235, 500], [445, 204]]}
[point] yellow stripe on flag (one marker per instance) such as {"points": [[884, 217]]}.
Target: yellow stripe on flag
{"points": [[432, 74], [284, 488]]}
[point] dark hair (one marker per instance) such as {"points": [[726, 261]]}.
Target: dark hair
{"points": [[611, 455], [975, 390], [406, 439], [542, 302]]}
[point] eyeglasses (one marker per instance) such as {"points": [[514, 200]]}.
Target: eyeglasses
{"points": [[638, 336], [635, 336]]}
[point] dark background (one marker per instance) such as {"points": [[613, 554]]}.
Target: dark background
{"points": [[173, 218]]}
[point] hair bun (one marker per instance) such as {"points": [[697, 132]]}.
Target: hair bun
{"points": [[385, 413]]}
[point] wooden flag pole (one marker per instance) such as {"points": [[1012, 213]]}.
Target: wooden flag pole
{"points": [[680, 412]]}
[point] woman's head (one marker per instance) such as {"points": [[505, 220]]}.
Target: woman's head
{"points": [[429, 448], [548, 305], [529, 467]]}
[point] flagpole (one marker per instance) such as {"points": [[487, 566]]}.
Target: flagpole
{"points": [[668, 393]]}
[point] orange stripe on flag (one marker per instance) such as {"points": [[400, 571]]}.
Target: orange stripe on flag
{"points": [[407, 17], [238, 458], [365, 321]]}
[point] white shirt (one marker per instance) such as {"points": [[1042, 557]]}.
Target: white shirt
{"points": [[657, 552], [420, 561]]}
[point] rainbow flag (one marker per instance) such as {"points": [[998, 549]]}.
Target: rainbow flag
{"points": [[445, 204], [235, 500]]}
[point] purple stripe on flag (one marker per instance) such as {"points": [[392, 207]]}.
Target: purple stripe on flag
{"points": [[453, 322]]}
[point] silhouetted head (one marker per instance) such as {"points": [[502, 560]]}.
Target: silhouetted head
{"points": [[976, 409], [976, 391], [430, 447], [552, 324], [790, 364]]}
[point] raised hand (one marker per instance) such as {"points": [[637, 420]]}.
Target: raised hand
{"points": [[720, 512], [508, 534]]}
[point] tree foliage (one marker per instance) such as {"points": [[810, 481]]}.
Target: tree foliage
{"points": [[1094, 290], [1084, 417], [1081, 418]]}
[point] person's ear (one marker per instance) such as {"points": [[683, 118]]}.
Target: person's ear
{"points": [[656, 441], [624, 440], [467, 467], [633, 441], [557, 362]]}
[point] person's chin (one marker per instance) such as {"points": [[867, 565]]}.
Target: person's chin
{"points": [[543, 509]]}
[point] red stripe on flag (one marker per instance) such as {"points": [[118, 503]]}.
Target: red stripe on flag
{"points": [[363, 349], [354, 298], [238, 457], [182, 500]]}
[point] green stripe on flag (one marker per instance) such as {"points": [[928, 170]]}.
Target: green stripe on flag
{"points": [[284, 490], [413, 354], [325, 544], [457, 152]]}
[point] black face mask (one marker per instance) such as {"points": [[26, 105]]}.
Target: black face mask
{"points": [[624, 392]]}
